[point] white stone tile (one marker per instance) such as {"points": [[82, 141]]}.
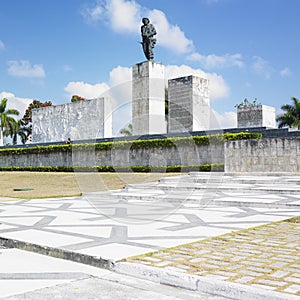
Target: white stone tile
{"points": [[29, 220], [115, 251], [44, 238], [97, 231]]}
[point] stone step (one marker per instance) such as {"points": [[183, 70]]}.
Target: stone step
{"points": [[213, 177], [214, 189], [204, 199], [240, 188]]}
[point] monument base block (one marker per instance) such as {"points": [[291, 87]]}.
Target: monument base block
{"points": [[189, 104], [256, 116], [148, 98]]}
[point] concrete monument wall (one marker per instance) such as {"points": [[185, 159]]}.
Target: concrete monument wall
{"points": [[280, 154], [148, 98], [189, 104], [89, 119], [256, 116], [263, 155], [186, 155]]}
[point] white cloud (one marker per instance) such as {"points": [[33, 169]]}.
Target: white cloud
{"points": [[92, 15], [223, 121], [86, 90], [23, 68], [1, 45], [120, 15], [119, 90], [170, 36], [125, 17], [218, 61], [15, 102], [286, 72], [262, 67], [218, 87], [119, 75], [120, 79]]}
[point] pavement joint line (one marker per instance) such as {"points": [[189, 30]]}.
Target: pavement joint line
{"points": [[94, 261], [43, 276], [172, 277], [182, 274]]}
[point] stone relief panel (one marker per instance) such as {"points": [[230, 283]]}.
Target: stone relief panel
{"points": [[82, 120]]}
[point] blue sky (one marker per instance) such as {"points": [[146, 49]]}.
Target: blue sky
{"points": [[53, 49]]}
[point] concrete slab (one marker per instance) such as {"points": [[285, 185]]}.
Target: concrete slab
{"points": [[74, 224], [110, 226], [23, 271]]}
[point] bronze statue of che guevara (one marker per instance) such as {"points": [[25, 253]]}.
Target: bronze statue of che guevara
{"points": [[148, 32]]}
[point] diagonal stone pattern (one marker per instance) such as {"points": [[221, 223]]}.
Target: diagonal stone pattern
{"points": [[152, 217]]}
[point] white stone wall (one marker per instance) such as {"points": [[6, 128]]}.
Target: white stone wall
{"points": [[80, 120], [256, 116], [263, 155], [189, 104], [186, 155], [148, 98]]}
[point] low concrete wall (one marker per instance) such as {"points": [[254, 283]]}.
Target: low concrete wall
{"points": [[276, 154], [125, 157], [265, 155]]}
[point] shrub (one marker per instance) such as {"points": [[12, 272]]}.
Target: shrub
{"points": [[142, 169], [137, 144]]}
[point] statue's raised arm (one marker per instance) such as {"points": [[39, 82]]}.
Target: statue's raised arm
{"points": [[148, 32]]}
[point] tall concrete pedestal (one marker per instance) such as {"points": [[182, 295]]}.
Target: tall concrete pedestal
{"points": [[189, 104], [148, 98]]}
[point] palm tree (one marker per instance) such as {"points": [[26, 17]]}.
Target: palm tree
{"points": [[20, 130], [7, 123], [291, 117], [127, 131]]}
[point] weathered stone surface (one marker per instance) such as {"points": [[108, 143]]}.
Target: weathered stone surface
{"points": [[80, 120], [263, 155], [256, 116], [148, 98], [125, 157], [189, 105]]}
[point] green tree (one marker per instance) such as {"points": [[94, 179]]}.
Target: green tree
{"points": [[166, 103], [26, 121], [246, 103], [21, 131], [7, 122], [76, 98], [127, 131], [291, 115]]}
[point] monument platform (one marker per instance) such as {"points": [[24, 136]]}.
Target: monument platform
{"points": [[105, 228]]}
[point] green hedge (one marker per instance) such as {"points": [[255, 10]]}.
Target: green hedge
{"points": [[145, 169], [136, 144]]}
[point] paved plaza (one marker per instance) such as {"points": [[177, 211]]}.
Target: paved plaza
{"points": [[266, 256], [115, 226]]}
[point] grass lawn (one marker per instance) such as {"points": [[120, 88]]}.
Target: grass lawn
{"points": [[48, 184]]}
